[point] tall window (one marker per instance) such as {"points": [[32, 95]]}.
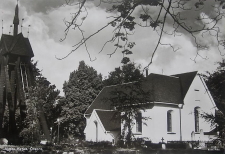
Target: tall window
{"points": [[139, 122], [96, 131], [169, 121], [196, 112]]}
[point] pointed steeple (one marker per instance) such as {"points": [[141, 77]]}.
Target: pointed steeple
{"points": [[16, 20]]}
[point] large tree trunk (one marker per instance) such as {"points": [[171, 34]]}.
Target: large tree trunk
{"points": [[43, 122], [129, 129]]}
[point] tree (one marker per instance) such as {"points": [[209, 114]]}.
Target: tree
{"points": [[127, 73], [198, 19], [80, 90], [129, 100], [41, 109], [216, 84]]}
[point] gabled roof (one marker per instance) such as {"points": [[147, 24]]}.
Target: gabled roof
{"points": [[165, 88], [162, 88], [109, 119], [186, 80], [102, 100], [17, 45]]}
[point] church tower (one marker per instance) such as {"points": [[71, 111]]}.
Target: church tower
{"points": [[16, 76], [16, 21]]}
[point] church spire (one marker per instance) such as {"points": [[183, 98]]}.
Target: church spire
{"points": [[16, 20]]}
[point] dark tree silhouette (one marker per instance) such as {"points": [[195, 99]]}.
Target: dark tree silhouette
{"points": [[129, 100], [124, 74], [80, 90], [216, 83], [41, 110]]}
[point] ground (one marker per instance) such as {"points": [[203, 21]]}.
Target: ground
{"points": [[65, 149]]}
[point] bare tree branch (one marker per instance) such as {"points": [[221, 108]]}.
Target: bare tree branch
{"points": [[170, 11]]}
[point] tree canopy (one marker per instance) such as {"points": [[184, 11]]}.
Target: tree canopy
{"points": [[216, 84], [129, 100], [41, 109], [124, 74], [127, 97], [80, 90], [198, 19]]}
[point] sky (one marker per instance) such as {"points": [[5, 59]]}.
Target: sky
{"points": [[46, 17]]}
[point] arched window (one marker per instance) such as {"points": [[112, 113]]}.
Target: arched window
{"points": [[169, 121], [139, 122], [196, 112], [96, 131]]}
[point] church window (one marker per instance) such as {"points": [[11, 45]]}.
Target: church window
{"points": [[96, 131], [139, 122], [196, 114], [169, 121], [193, 136]]}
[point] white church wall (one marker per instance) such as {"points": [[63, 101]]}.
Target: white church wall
{"points": [[94, 130], [87, 119], [197, 96], [156, 127]]}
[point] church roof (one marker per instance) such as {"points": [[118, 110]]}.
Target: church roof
{"points": [[161, 88], [186, 80], [109, 119], [17, 45]]}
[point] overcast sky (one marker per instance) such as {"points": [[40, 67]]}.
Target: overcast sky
{"points": [[47, 28]]}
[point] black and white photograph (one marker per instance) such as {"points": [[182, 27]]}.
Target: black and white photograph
{"points": [[112, 76]]}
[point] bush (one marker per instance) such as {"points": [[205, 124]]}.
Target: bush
{"points": [[176, 145], [151, 145], [120, 143], [138, 143], [102, 144]]}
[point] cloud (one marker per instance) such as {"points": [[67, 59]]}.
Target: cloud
{"points": [[47, 27], [41, 6], [45, 33]]}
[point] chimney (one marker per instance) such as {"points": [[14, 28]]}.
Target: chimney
{"points": [[146, 71]]}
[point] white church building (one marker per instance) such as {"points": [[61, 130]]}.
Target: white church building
{"points": [[174, 111]]}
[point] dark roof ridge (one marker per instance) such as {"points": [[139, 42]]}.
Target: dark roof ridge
{"points": [[185, 73], [138, 81], [104, 110], [163, 75], [120, 84], [12, 35]]}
